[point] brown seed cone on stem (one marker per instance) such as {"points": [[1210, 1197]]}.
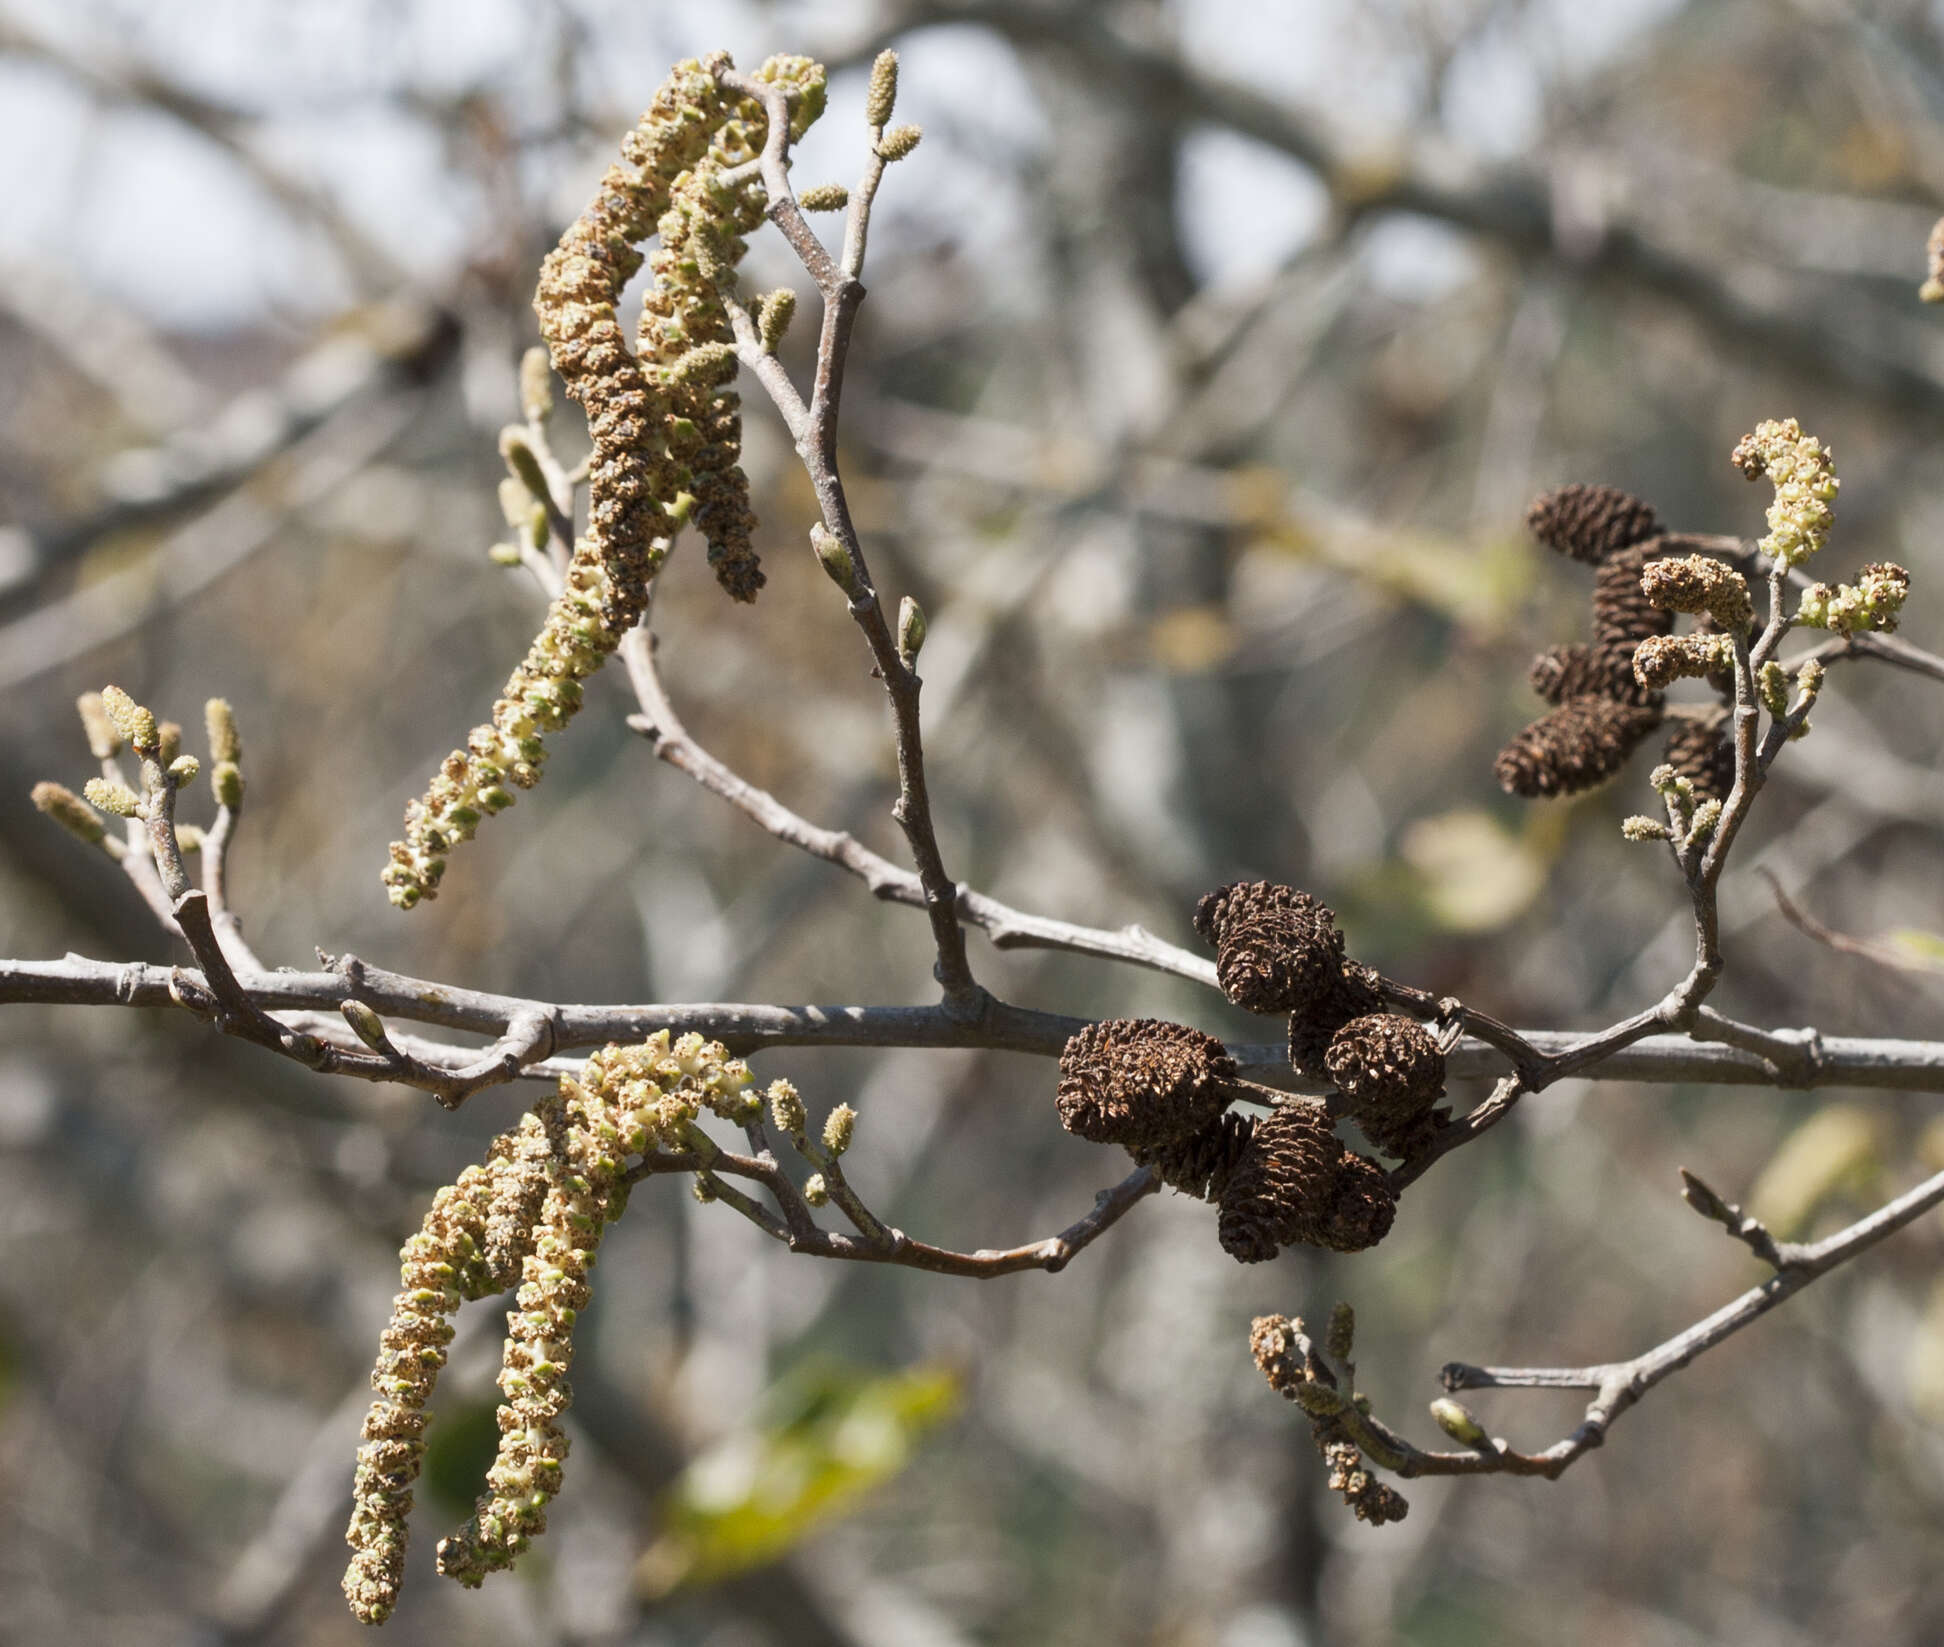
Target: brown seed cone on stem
{"points": [[1562, 672], [1296, 1183], [1589, 523], [1142, 1082], [1703, 752], [1580, 744], [1391, 1073], [1275, 947], [1621, 610], [1202, 1163], [1352, 994]]}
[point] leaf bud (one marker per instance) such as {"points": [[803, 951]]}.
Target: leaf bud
{"points": [[524, 463], [366, 1025], [911, 631], [836, 559], [1456, 1420]]}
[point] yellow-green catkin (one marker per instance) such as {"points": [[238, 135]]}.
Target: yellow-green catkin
{"points": [[462, 1251], [1803, 472], [665, 426], [627, 1102]]}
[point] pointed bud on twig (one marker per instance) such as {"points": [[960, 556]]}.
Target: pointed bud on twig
{"points": [[536, 385], [911, 631], [838, 1126], [1455, 1419], [69, 811], [883, 95], [183, 769], [824, 197], [135, 724], [524, 463], [1701, 1195], [837, 560], [367, 1026], [219, 721], [1340, 1335], [104, 742], [117, 798], [773, 320]]}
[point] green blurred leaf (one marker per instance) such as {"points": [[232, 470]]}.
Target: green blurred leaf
{"points": [[1922, 946], [1837, 1149], [460, 1445], [831, 1435]]}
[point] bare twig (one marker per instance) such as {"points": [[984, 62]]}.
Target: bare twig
{"points": [[1842, 942]]}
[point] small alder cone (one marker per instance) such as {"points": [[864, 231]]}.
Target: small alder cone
{"points": [[1202, 1163], [1704, 753], [1275, 947], [1589, 523], [1295, 1183], [1353, 993], [1562, 672], [1579, 745], [1142, 1082], [1622, 610], [1391, 1072]]}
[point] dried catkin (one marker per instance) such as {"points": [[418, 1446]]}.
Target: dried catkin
{"points": [[1588, 523], [1142, 1082], [664, 427], [1580, 744], [1275, 947]]}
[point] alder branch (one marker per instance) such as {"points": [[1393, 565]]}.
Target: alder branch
{"points": [[816, 445], [1843, 943]]}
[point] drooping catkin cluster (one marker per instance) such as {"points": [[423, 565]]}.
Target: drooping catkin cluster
{"points": [[1602, 710], [534, 1214], [664, 425], [1388, 1069], [1288, 1360]]}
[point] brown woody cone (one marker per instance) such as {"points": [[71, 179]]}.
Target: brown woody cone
{"points": [[1353, 994], [1621, 610], [1589, 523], [1142, 1082], [1580, 744], [1296, 1182], [1391, 1072], [1703, 753], [1202, 1163], [1275, 947], [1562, 672]]}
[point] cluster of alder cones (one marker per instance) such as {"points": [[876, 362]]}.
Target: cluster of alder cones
{"points": [[1602, 712], [1164, 1090]]}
